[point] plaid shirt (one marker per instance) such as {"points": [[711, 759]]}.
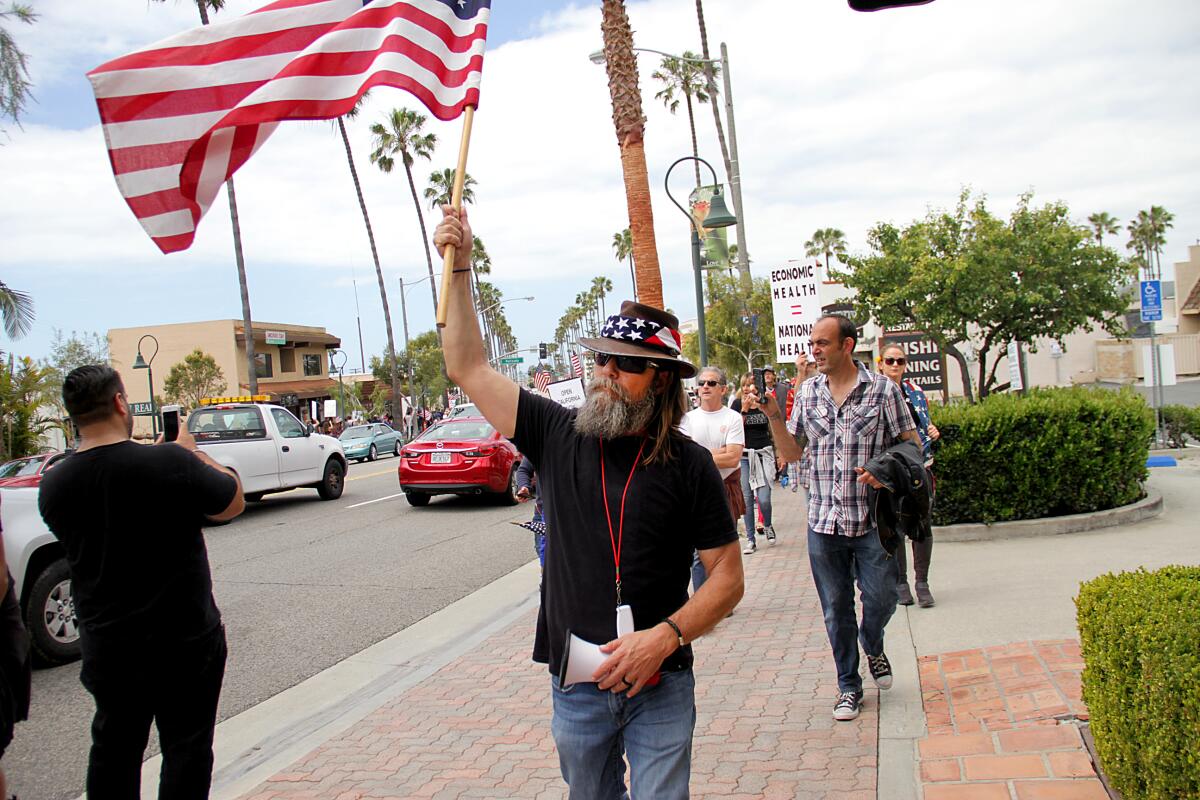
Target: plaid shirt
{"points": [[870, 420]]}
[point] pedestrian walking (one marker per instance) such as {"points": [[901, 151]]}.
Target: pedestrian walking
{"points": [[129, 517], [527, 489], [15, 666], [719, 430], [757, 463], [628, 500], [848, 416], [892, 364]]}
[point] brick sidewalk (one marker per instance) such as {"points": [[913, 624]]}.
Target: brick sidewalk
{"points": [[480, 727]]}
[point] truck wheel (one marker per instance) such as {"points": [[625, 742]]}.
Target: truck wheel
{"points": [[50, 616], [332, 483], [416, 499], [373, 454]]}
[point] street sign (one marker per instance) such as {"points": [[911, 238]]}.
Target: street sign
{"points": [[1152, 301], [512, 360], [276, 337], [924, 358], [142, 409]]}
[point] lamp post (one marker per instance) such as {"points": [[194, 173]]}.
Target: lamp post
{"points": [[735, 170], [412, 398], [341, 368], [140, 363], [718, 217]]}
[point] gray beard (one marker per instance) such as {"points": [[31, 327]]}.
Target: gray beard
{"points": [[611, 417]]}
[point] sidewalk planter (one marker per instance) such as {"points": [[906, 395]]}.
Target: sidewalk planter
{"points": [[1140, 633], [1049, 453]]}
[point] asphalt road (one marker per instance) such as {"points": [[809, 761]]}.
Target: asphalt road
{"points": [[301, 584]]}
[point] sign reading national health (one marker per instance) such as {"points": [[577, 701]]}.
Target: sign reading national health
{"points": [[796, 306]]}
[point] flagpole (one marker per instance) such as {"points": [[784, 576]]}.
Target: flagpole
{"points": [[460, 175]]}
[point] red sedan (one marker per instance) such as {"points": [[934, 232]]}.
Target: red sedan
{"points": [[28, 471], [465, 455]]}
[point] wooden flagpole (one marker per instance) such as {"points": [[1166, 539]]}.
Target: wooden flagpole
{"points": [[460, 175]]}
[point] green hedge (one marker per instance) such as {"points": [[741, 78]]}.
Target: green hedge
{"points": [[1049, 453], [1140, 633], [1181, 422]]}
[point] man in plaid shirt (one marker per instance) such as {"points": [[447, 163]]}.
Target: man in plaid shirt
{"points": [[845, 417]]}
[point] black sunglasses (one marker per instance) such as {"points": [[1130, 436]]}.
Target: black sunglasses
{"points": [[631, 364], [708, 383], [890, 360]]}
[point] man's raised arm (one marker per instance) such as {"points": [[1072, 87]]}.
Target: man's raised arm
{"points": [[466, 361]]}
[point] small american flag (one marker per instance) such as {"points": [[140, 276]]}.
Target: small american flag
{"points": [[541, 379], [576, 365], [181, 116], [537, 526]]}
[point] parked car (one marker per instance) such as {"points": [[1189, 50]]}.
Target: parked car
{"points": [[41, 580], [28, 471], [366, 442], [464, 455], [464, 410], [269, 449]]}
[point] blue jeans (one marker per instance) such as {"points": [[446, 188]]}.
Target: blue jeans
{"points": [[764, 500], [594, 729], [699, 575], [835, 561]]}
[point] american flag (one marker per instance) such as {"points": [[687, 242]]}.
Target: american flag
{"points": [[541, 379], [576, 366], [181, 116]]}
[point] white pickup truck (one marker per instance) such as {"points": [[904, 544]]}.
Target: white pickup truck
{"points": [[269, 449]]}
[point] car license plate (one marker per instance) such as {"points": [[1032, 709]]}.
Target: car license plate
{"points": [[439, 458]]}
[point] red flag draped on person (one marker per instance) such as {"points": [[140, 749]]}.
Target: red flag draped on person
{"points": [[181, 116]]}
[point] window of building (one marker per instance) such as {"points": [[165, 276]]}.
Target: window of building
{"points": [[262, 365], [287, 360], [312, 364]]}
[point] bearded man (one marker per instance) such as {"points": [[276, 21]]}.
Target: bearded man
{"points": [[628, 498]]}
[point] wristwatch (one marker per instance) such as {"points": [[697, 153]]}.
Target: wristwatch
{"points": [[675, 628]]}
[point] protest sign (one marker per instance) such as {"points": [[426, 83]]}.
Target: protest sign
{"points": [[795, 305], [568, 393]]}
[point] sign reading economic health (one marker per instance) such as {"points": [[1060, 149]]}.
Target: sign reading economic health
{"points": [[796, 306]]}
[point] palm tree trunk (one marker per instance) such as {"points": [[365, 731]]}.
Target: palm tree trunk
{"points": [[633, 279], [397, 407], [412, 186], [695, 144], [712, 93]]}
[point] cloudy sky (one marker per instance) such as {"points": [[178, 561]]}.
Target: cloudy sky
{"points": [[844, 119]]}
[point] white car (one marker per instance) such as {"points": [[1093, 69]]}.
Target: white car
{"points": [[41, 580]]}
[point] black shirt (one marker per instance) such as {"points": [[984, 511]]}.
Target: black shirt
{"points": [[129, 516], [758, 427], [670, 510]]}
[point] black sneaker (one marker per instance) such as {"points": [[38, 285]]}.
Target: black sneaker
{"points": [[848, 705], [770, 531], [881, 670]]}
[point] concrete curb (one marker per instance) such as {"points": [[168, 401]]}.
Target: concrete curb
{"points": [[1148, 507], [901, 716]]}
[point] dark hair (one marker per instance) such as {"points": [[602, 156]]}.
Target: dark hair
{"points": [[846, 327], [88, 391], [665, 424]]}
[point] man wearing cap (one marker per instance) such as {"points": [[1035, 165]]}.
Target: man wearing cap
{"points": [[628, 498]]}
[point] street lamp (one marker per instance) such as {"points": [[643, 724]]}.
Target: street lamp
{"points": [[412, 398], [718, 217], [140, 363], [735, 171], [502, 302], [341, 368]]}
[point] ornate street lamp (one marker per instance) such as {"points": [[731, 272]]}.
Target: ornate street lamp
{"points": [[140, 363]]}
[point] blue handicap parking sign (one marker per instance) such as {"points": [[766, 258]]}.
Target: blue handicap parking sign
{"points": [[1151, 301]]}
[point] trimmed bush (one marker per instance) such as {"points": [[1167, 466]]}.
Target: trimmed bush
{"points": [[1049, 453], [1140, 633], [1180, 423]]}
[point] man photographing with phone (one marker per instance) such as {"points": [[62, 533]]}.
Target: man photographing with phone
{"points": [[153, 647]]}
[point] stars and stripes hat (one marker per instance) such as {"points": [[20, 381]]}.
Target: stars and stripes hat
{"points": [[644, 332]]}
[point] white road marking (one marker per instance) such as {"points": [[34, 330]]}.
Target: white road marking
{"points": [[376, 500]]}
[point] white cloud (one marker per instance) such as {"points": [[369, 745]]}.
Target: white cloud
{"points": [[843, 119]]}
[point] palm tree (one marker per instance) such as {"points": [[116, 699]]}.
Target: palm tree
{"points": [[602, 286], [681, 76], [16, 310], [362, 204], [14, 69], [622, 245], [1103, 222], [247, 321], [630, 124], [1147, 236], [440, 191], [400, 134], [829, 241]]}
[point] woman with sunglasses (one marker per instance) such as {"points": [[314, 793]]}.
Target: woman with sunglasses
{"points": [[758, 463], [892, 364]]}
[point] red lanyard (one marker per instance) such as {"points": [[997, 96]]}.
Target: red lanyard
{"points": [[620, 535]]}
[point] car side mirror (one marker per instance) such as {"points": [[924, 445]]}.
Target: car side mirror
{"points": [[308, 429]]}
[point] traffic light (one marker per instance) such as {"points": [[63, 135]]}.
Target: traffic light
{"points": [[542, 350]]}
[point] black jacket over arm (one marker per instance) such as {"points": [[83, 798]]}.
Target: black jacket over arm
{"points": [[904, 506]]}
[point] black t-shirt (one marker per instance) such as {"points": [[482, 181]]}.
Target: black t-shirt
{"points": [[670, 510], [129, 516], [758, 427]]}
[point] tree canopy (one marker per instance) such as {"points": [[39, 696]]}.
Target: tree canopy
{"points": [[197, 376], [972, 280], [740, 333]]}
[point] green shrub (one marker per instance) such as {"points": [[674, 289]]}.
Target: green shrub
{"points": [[1180, 422], [1140, 633], [1052, 452]]}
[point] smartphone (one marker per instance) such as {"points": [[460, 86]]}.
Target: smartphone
{"points": [[170, 422], [760, 382]]}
